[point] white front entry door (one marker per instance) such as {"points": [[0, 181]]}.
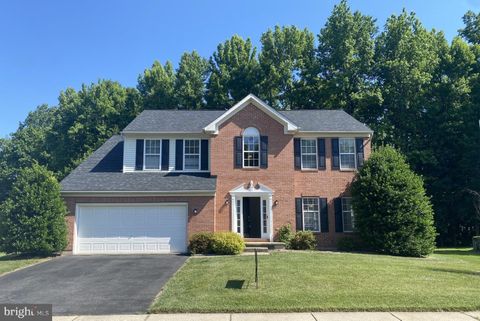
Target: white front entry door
{"points": [[130, 228]]}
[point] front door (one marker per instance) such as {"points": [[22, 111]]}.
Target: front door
{"points": [[251, 217]]}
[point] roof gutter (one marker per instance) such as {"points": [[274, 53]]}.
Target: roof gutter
{"points": [[139, 193]]}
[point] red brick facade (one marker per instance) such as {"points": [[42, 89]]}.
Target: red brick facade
{"points": [[280, 175], [214, 212]]}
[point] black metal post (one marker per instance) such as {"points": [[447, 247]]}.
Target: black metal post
{"points": [[256, 269]]}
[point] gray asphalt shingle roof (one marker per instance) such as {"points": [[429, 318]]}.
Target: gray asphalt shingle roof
{"points": [[102, 171], [193, 121]]}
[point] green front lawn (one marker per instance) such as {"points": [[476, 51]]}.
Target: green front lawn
{"points": [[316, 281], [9, 263]]}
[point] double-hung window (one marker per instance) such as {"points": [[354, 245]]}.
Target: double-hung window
{"points": [[311, 214], [347, 153], [152, 153], [251, 148], [309, 153], [347, 212], [191, 154]]}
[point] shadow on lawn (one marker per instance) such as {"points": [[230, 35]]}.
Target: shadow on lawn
{"points": [[235, 284], [456, 252], [464, 272]]}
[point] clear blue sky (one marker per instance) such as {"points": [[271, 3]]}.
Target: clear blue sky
{"points": [[47, 46]]}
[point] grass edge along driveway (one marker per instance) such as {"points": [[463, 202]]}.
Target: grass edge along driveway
{"points": [[10, 263], [448, 280]]}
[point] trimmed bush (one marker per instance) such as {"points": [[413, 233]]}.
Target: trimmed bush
{"points": [[476, 243], [285, 234], [201, 243], [393, 215], [303, 240], [227, 243], [32, 218]]}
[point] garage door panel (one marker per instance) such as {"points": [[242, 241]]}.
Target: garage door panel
{"points": [[131, 229]]}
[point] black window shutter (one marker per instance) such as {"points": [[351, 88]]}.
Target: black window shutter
{"points": [[323, 215], [179, 154], [335, 154], [297, 153], [263, 151], [321, 152], [338, 214], [359, 150], [204, 152], [298, 214], [139, 155], [165, 153], [237, 158]]}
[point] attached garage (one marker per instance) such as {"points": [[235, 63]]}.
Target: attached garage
{"points": [[130, 228]]}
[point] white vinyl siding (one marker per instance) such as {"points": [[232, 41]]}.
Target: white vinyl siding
{"points": [[309, 153], [129, 147], [347, 153]]}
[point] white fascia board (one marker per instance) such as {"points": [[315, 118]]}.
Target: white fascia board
{"points": [[289, 127]]}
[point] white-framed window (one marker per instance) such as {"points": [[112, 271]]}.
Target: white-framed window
{"points": [[309, 153], [152, 150], [311, 214], [264, 216], [239, 215], [191, 154], [347, 212], [251, 148], [347, 153]]}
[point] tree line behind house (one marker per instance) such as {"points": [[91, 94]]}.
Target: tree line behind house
{"points": [[417, 91]]}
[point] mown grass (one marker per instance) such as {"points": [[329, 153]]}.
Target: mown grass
{"points": [[10, 263], [448, 280]]}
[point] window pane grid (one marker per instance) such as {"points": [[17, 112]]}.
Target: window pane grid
{"points": [[239, 216], [192, 154], [347, 212], [152, 154], [347, 153], [311, 214], [309, 153], [264, 216], [251, 151]]}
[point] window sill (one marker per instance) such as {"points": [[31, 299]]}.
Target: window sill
{"points": [[309, 170], [348, 169], [251, 168]]}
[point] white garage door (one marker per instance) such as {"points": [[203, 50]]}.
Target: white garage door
{"points": [[136, 228]]}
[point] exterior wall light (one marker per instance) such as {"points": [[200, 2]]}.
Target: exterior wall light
{"points": [[195, 211]]}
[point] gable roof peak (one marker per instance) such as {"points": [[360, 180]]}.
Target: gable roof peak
{"points": [[289, 127]]}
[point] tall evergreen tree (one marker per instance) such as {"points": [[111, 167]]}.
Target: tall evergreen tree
{"points": [[234, 72], [345, 63], [471, 31], [85, 119], [406, 58], [157, 86], [190, 81], [286, 54]]}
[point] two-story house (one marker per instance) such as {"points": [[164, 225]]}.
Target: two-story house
{"points": [[249, 169]]}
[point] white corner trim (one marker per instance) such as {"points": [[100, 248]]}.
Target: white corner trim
{"points": [[289, 127]]}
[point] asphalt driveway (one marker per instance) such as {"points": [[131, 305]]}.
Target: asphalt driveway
{"points": [[82, 285]]}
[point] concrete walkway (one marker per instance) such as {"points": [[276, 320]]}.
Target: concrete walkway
{"points": [[315, 316]]}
